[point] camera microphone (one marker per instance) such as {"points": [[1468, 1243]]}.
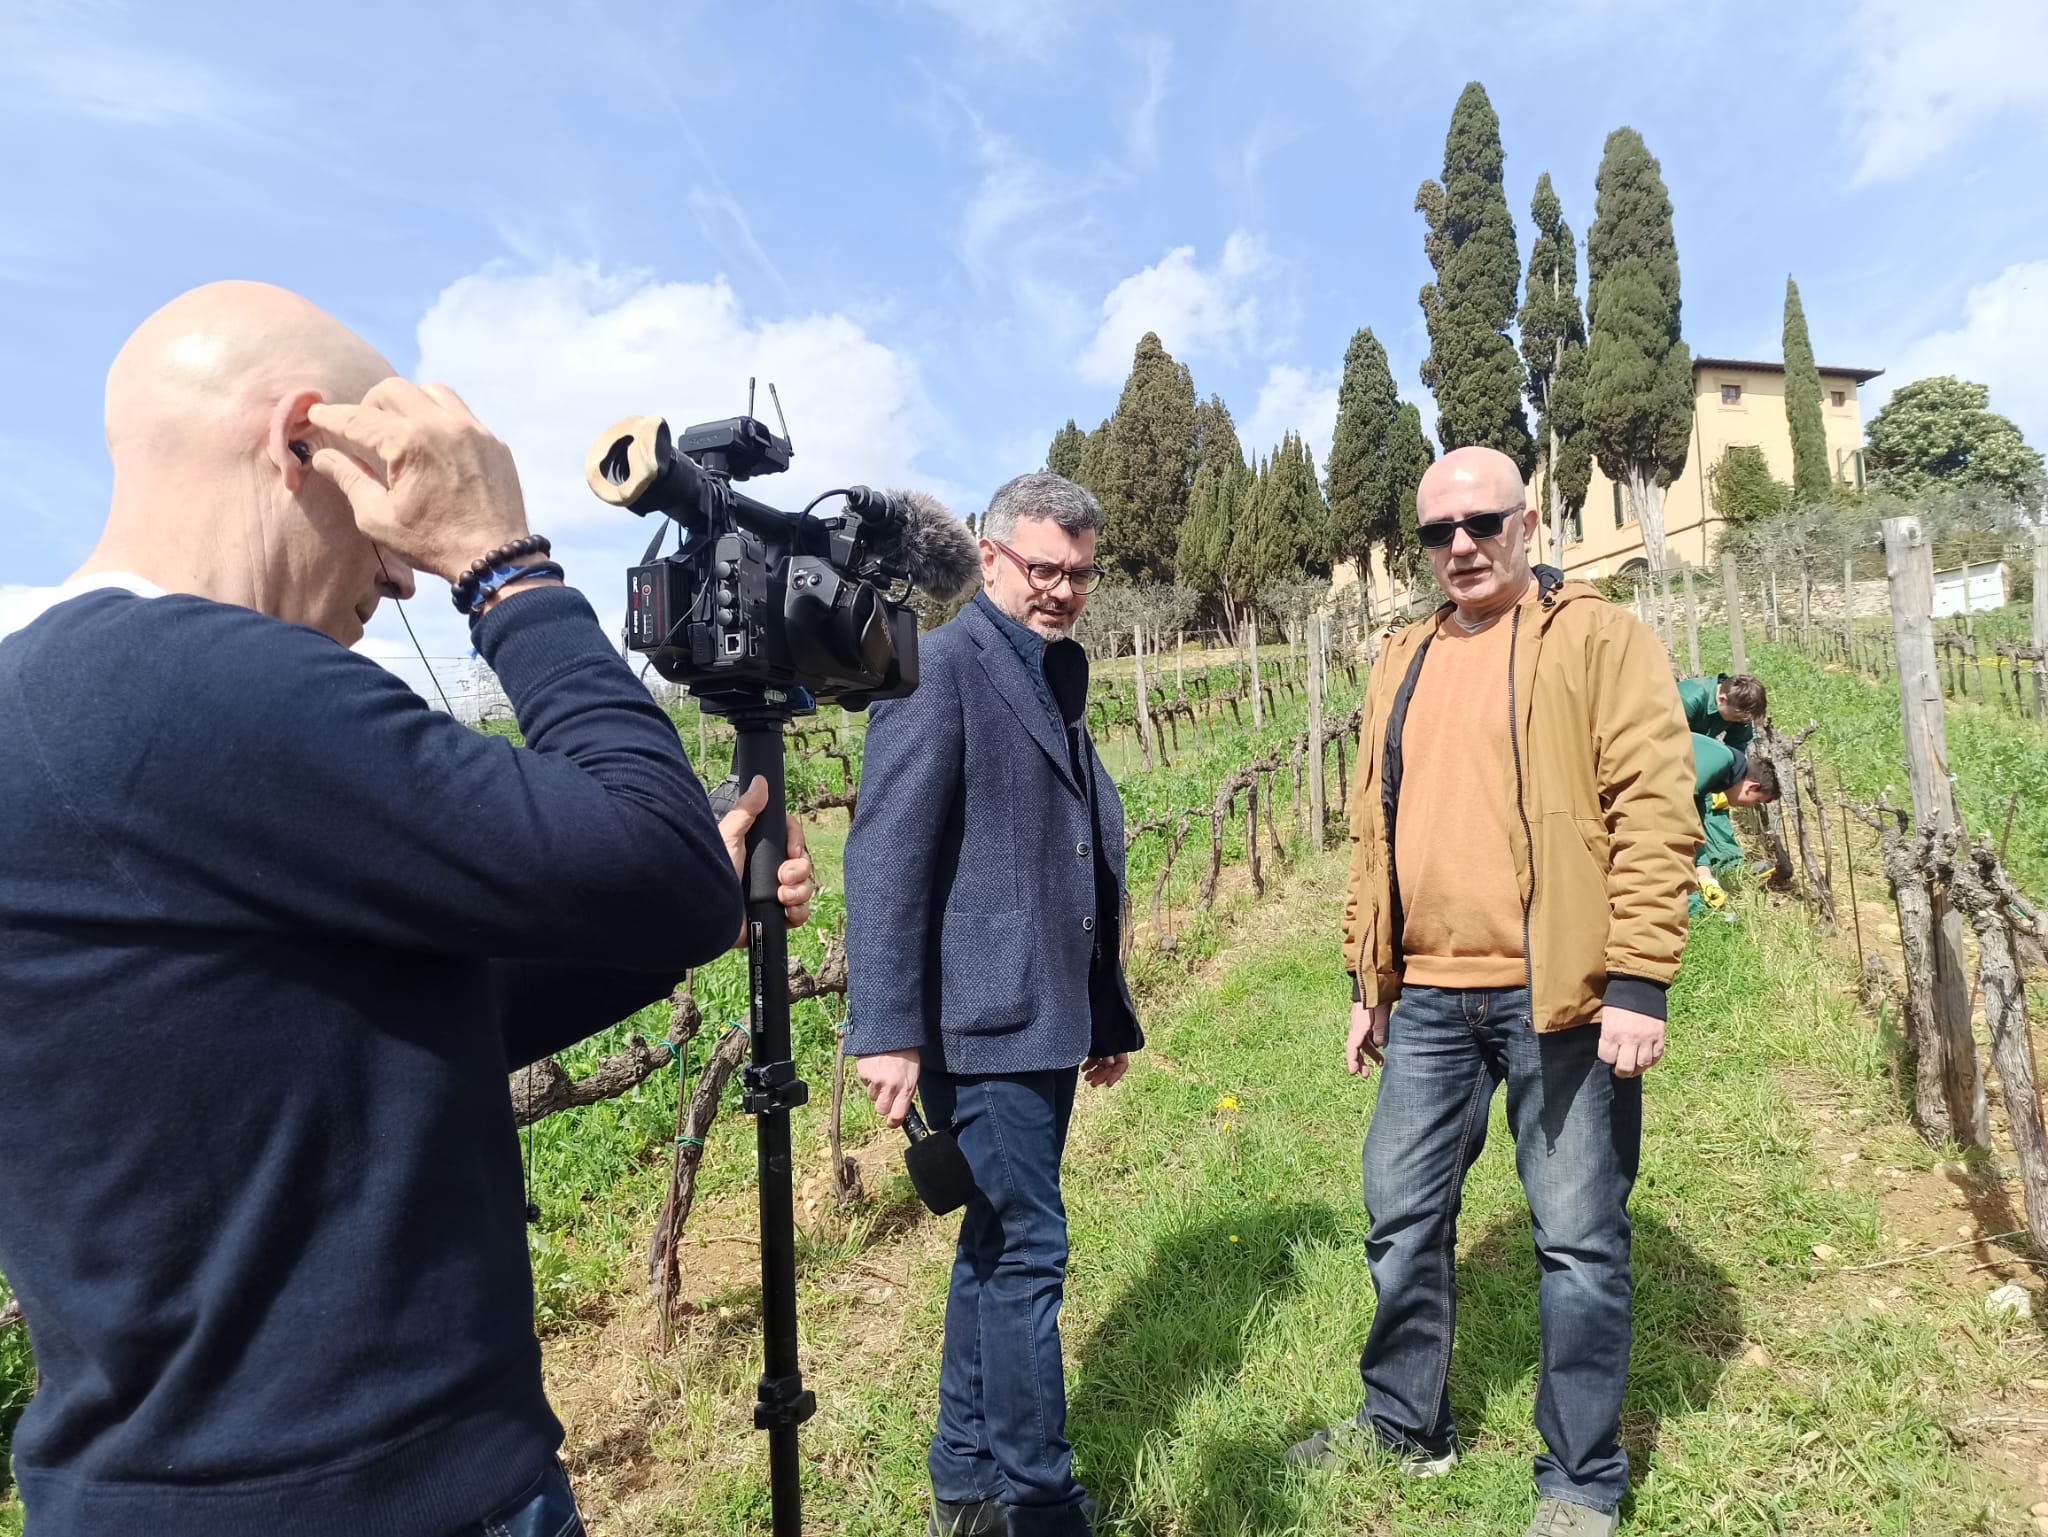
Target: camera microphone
{"points": [[940, 552], [939, 1171]]}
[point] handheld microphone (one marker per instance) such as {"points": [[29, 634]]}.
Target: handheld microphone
{"points": [[938, 1169]]}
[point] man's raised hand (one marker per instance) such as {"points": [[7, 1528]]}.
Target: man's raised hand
{"points": [[425, 478], [795, 888]]}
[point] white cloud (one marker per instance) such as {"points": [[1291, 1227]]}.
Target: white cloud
{"points": [[1197, 311], [1155, 53], [1022, 230], [1026, 27], [93, 77], [550, 359], [1926, 76], [2000, 343], [1294, 400]]}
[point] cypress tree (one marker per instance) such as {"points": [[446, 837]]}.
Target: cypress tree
{"points": [[1068, 446], [1472, 366], [1215, 437], [1638, 396], [1205, 532], [1552, 329], [1364, 478], [1409, 457], [1093, 471], [1811, 479], [1147, 465]]}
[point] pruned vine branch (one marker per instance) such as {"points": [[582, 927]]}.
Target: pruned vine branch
{"points": [[546, 1087]]}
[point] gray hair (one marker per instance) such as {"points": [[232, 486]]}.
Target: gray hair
{"points": [[1041, 494]]}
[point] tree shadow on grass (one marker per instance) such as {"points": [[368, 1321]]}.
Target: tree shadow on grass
{"points": [[1175, 1332], [1688, 1326]]}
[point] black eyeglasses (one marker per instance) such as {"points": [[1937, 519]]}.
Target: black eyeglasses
{"points": [[1480, 525], [1043, 575]]}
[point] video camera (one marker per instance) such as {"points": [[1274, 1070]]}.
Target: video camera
{"points": [[757, 598], [762, 613]]}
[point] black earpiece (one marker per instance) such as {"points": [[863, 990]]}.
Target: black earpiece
{"points": [[305, 454]]}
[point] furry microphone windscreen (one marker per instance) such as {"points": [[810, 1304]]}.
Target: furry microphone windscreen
{"points": [[944, 560]]}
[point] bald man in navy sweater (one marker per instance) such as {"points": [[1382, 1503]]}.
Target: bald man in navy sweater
{"points": [[272, 934]]}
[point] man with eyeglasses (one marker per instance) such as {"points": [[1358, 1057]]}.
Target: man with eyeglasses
{"points": [[984, 894], [1522, 838]]}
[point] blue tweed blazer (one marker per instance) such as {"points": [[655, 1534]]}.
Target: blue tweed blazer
{"points": [[971, 873]]}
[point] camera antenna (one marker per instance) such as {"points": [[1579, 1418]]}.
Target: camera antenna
{"points": [[750, 394], [779, 420]]}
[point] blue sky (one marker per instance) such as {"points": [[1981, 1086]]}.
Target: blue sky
{"points": [[939, 225]]}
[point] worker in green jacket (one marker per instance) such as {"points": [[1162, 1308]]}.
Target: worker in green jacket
{"points": [[1723, 777], [1723, 707]]}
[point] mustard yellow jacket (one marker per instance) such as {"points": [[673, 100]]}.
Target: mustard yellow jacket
{"points": [[1607, 828]]}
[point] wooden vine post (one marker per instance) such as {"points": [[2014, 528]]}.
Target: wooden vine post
{"points": [[1317, 812], [1731, 602], [1849, 611], [1692, 623], [1143, 705], [1909, 574], [2040, 606]]}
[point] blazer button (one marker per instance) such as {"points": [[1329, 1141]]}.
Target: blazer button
{"points": [[1082, 848], [1087, 925]]}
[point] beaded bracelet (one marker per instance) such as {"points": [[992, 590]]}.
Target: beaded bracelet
{"points": [[463, 589], [505, 576]]}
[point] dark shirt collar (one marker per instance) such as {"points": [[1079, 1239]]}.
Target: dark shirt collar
{"points": [[1059, 668]]}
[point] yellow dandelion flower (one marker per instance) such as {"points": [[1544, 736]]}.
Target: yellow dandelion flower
{"points": [[1227, 1125], [1233, 1238], [1227, 1102]]}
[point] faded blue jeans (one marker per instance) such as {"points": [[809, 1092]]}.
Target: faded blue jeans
{"points": [[1578, 1132], [1002, 1432], [545, 1508]]}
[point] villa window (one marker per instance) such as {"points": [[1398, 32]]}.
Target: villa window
{"points": [[1731, 394]]}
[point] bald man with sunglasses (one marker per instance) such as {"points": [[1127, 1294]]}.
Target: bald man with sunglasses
{"points": [[1522, 838]]}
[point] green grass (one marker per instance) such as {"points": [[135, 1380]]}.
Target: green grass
{"points": [[1218, 1297], [17, 1381]]}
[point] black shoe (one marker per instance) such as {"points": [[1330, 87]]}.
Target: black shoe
{"points": [[1075, 1520], [983, 1518]]}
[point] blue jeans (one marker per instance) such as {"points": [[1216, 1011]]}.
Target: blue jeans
{"points": [[1002, 1431], [1578, 1132], [545, 1508]]}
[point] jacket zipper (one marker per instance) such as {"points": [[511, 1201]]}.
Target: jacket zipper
{"points": [[1522, 809]]}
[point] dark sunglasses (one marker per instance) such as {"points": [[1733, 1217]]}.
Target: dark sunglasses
{"points": [[1480, 525], [1044, 576]]}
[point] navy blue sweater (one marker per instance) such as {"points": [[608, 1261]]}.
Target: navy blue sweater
{"points": [[272, 933]]}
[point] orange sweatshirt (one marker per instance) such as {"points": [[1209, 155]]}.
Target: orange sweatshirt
{"points": [[1460, 897]]}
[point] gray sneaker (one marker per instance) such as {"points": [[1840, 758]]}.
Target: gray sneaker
{"points": [[1561, 1518], [1331, 1448]]}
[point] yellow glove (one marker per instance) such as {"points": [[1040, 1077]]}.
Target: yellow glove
{"points": [[1712, 894], [1719, 802]]}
